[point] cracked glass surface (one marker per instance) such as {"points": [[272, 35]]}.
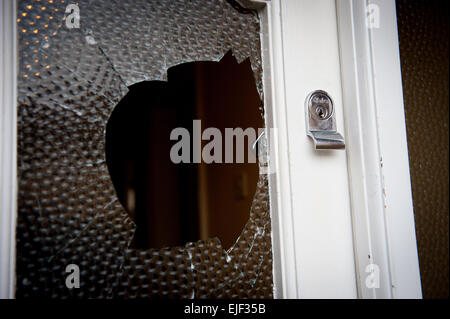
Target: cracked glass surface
{"points": [[69, 82]]}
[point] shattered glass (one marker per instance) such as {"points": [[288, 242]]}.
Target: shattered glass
{"points": [[70, 79]]}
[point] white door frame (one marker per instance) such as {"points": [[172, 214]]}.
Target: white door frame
{"points": [[301, 42], [326, 221], [382, 210], [309, 191], [8, 145]]}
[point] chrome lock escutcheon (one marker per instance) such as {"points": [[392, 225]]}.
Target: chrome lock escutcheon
{"points": [[321, 121]]}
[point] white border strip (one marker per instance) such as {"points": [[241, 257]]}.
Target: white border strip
{"points": [[283, 237], [8, 145], [382, 211]]}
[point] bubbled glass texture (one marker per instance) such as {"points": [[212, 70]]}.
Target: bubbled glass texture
{"points": [[70, 79]]}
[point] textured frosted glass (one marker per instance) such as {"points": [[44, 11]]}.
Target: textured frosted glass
{"points": [[69, 82]]}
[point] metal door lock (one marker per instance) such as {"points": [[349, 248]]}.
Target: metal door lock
{"points": [[321, 121]]}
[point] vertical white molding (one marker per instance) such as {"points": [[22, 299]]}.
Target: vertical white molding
{"points": [[382, 211], [309, 194], [283, 237], [399, 213], [8, 145]]}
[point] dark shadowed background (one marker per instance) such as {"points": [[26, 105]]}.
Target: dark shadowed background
{"points": [[423, 33]]}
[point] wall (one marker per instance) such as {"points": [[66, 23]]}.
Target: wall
{"points": [[423, 34]]}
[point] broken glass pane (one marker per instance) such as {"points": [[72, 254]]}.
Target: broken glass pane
{"points": [[76, 64]]}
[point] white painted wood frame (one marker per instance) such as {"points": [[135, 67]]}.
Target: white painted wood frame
{"points": [[8, 145], [326, 44], [379, 178], [309, 191]]}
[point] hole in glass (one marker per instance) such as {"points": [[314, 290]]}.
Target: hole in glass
{"points": [[171, 203]]}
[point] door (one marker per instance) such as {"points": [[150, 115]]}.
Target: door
{"points": [[337, 217]]}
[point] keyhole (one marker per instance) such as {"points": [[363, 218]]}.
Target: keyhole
{"points": [[321, 112]]}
